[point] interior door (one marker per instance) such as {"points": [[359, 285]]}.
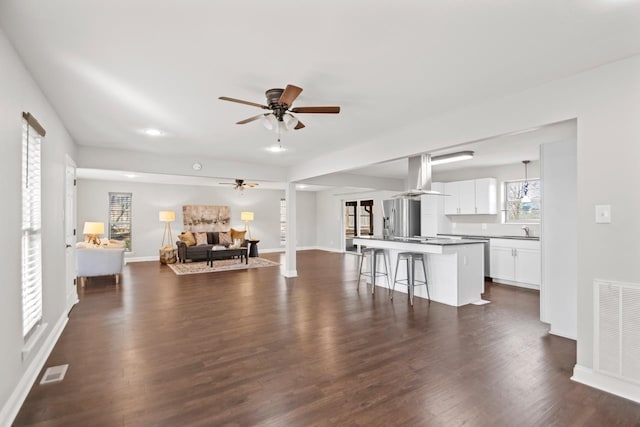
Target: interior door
{"points": [[70, 233]]}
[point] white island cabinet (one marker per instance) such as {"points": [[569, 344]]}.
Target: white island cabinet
{"points": [[455, 267]]}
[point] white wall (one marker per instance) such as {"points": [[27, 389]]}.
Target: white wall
{"points": [[472, 224], [20, 93], [149, 199], [329, 203], [559, 251]]}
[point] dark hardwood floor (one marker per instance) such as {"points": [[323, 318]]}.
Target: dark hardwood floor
{"points": [[251, 347]]}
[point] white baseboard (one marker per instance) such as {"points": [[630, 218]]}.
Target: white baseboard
{"points": [[606, 383], [12, 406], [141, 259], [518, 284], [562, 334], [290, 273]]}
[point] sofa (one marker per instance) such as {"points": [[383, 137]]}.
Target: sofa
{"points": [[199, 252]]}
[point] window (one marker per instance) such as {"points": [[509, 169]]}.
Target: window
{"points": [[32, 134], [517, 211], [120, 218], [283, 221]]}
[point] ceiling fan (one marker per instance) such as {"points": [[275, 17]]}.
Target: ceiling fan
{"points": [[279, 102], [239, 184]]}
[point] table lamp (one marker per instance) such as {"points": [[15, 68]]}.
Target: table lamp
{"points": [[167, 217], [93, 231], [246, 217]]}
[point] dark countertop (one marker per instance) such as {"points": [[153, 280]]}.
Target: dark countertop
{"points": [[490, 236], [423, 240]]}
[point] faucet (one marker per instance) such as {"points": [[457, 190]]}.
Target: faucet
{"points": [[526, 231]]}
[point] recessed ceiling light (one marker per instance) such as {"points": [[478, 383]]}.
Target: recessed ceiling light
{"points": [[301, 186], [276, 148], [153, 132], [131, 175], [196, 166]]}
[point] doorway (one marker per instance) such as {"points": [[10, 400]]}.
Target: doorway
{"points": [[358, 221]]}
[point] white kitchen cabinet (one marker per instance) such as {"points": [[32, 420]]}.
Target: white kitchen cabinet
{"points": [[486, 193], [502, 263], [452, 198], [516, 262], [475, 196]]}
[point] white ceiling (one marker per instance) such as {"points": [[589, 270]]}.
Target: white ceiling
{"points": [[112, 69]]}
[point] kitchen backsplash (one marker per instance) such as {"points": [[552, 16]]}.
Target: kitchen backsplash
{"points": [[493, 229]]}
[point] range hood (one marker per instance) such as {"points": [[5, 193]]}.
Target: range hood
{"points": [[419, 181]]}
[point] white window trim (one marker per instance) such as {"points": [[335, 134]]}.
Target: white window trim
{"points": [[32, 311], [504, 203]]}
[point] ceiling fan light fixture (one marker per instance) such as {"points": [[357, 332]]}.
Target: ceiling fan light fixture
{"points": [[290, 121], [270, 121]]}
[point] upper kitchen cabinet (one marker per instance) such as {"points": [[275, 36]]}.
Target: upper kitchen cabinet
{"points": [[475, 196]]}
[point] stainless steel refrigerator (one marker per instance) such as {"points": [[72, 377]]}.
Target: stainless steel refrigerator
{"points": [[401, 217]]}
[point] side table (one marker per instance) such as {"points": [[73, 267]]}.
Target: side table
{"points": [[253, 248]]}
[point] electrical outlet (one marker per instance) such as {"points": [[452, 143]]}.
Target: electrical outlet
{"points": [[484, 225], [453, 225]]}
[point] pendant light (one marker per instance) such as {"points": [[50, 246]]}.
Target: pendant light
{"points": [[525, 187]]}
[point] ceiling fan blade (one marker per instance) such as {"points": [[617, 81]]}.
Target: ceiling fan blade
{"points": [[240, 101], [227, 183], [251, 184], [300, 125], [321, 110], [251, 119], [289, 95]]}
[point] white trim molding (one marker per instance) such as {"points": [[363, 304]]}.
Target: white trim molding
{"points": [[613, 385], [12, 406]]}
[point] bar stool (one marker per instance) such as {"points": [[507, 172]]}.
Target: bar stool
{"points": [[374, 253], [410, 281]]}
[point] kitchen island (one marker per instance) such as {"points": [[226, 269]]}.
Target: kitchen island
{"points": [[455, 267]]}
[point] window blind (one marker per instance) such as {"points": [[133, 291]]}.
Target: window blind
{"points": [[120, 218], [283, 221], [31, 226]]}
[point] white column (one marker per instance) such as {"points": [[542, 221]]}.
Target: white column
{"points": [[291, 238]]}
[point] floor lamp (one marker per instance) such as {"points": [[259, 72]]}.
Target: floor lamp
{"points": [[167, 217], [246, 217]]}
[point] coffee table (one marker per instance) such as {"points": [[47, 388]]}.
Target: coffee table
{"points": [[214, 254]]}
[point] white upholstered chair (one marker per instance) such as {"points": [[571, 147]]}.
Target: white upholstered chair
{"points": [[99, 261]]}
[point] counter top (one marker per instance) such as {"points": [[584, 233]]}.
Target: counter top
{"points": [[424, 240], [490, 236]]}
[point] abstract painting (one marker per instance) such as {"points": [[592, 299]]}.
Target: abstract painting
{"points": [[199, 218]]}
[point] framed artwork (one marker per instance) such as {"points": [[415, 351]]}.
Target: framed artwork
{"points": [[199, 218]]}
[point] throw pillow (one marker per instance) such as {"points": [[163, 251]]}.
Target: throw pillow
{"points": [[224, 237], [188, 238], [201, 239], [237, 234]]}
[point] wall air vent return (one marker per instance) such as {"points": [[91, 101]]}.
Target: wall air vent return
{"points": [[617, 329], [54, 374]]}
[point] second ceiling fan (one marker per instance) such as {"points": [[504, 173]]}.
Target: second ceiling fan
{"points": [[279, 102]]}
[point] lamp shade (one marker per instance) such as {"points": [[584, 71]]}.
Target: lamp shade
{"points": [[167, 216], [246, 216], [93, 228]]}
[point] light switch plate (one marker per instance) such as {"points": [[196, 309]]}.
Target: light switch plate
{"points": [[603, 214]]}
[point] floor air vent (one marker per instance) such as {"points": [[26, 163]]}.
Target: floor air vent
{"points": [[54, 374], [617, 329]]}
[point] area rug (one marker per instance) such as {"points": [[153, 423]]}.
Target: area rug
{"points": [[220, 265]]}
